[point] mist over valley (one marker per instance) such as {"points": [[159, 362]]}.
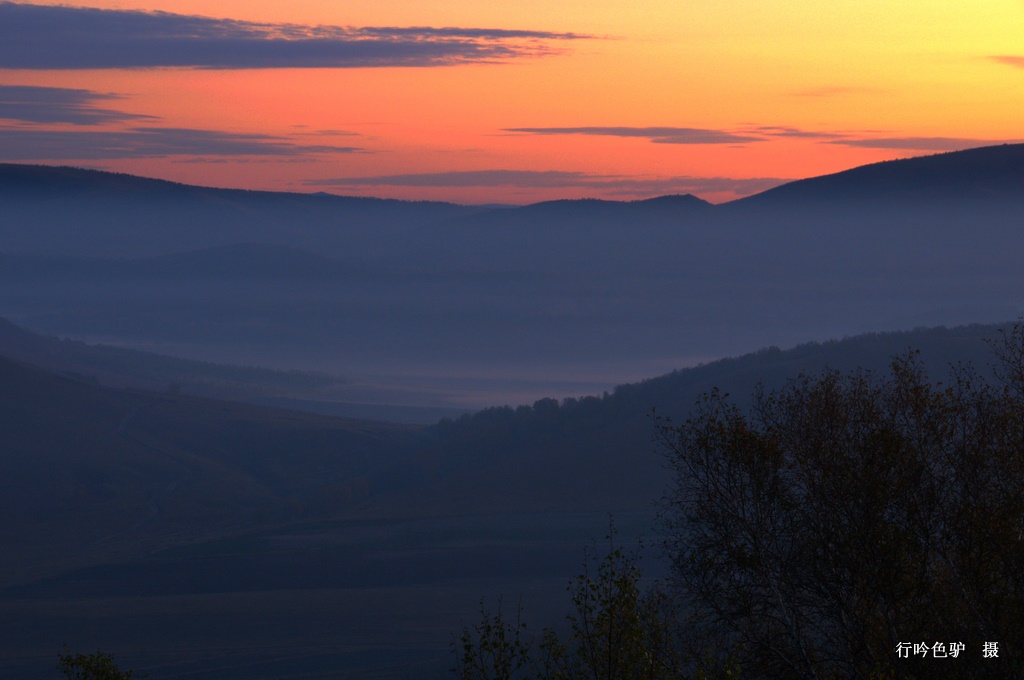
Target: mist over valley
{"points": [[252, 434], [439, 305]]}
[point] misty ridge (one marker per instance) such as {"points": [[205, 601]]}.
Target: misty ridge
{"points": [[562, 297], [254, 435]]}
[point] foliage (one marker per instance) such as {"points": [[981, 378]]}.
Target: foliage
{"points": [[816, 531], [616, 631], [494, 649], [96, 666], [847, 513]]}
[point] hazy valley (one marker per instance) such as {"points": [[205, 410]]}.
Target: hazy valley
{"points": [[158, 507], [446, 306]]}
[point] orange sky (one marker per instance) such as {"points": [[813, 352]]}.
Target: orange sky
{"points": [[718, 98]]}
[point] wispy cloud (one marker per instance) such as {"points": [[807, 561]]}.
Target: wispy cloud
{"points": [[611, 185], [1016, 61], [32, 104], [792, 132], [21, 144], [658, 135], [762, 133], [917, 143], [60, 37]]}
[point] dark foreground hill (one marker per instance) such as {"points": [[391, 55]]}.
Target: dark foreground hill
{"points": [[204, 539], [90, 473], [595, 453]]}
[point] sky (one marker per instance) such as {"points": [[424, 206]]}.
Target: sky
{"points": [[504, 101]]}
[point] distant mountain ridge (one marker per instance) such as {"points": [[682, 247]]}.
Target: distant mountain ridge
{"points": [[991, 173], [97, 213], [21, 179], [93, 212], [159, 522], [554, 297], [983, 172]]}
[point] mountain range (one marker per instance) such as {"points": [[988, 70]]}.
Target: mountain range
{"points": [[445, 306], [150, 513]]}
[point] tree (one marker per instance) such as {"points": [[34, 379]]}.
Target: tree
{"points": [[96, 666], [494, 649], [846, 514], [617, 630]]}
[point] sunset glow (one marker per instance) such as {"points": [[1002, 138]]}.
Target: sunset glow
{"points": [[504, 102]]}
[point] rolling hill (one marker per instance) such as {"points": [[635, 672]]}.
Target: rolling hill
{"points": [[993, 174], [91, 473], [445, 306], [198, 538]]}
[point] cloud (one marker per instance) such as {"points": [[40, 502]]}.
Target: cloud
{"points": [[1009, 60], [58, 105], [791, 132], [21, 144], [611, 185], [60, 37], [685, 135], [657, 135], [918, 143]]}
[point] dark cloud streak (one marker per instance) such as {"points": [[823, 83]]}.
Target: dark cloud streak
{"points": [[59, 37], [59, 105], [19, 144], [762, 133], [793, 133], [657, 135]]}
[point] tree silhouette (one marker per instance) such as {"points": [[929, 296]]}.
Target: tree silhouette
{"points": [[96, 666], [617, 630], [847, 514]]}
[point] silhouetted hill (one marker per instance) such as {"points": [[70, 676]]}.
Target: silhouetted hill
{"points": [[211, 536], [992, 174], [129, 516], [592, 208], [590, 453], [594, 453], [56, 182], [89, 473], [83, 463], [60, 210]]}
